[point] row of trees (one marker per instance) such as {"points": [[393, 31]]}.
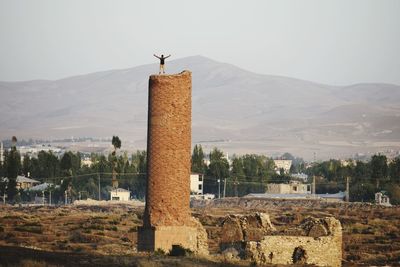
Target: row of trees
{"points": [[243, 175], [246, 174], [68, 174], [366, 178]]}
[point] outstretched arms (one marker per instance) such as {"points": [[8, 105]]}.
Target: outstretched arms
{"points": [[156, 56], [167, 56]]}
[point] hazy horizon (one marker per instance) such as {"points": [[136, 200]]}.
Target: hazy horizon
{"points": [[331, 42]]}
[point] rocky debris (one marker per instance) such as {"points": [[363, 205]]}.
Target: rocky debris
{"points": [[238, 228], [315, 227], [265, 204], [230, 254], [202, 238], [265, 221]]}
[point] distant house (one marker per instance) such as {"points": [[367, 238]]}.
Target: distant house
{"points": [[381, 198], [293, 187], [301, 176], [196, 183], [24, 182], [43, 187], [86, 161], [120, 194], [284, 164]]}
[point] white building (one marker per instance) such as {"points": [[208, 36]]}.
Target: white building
{"points": [[382, 199], [196, 183], [120, 194], [293, 187], [284, 164]]}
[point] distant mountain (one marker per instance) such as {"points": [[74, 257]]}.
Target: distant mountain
{"points": [[234, 109]]}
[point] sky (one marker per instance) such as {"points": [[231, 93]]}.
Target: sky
{"points": [[336, 42]]}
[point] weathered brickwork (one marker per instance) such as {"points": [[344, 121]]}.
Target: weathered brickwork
{"points": [[169, 145], [167, 220], [321, 247]]}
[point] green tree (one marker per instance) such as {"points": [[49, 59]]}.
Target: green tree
{"points": [[394, 170], [237, 174], [49, 165], [198, 165], [139, 163], [217, 170], [13, 168], [394, 193], [116, 142], [379, 169], [27, 166], [66, 164]]}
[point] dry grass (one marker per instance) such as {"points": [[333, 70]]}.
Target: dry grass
{"points": [[371, 235]]}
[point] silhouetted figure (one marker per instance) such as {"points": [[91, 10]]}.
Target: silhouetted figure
{"points": [[162, 62]]}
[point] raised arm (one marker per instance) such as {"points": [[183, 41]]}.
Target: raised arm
{"points": [[167, 56], [156, 56]]}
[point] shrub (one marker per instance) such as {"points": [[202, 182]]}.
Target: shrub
{"points": [[159, 252]]}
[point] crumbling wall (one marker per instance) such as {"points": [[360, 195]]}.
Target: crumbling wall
{"points": [[239, 228], [322, 245]]}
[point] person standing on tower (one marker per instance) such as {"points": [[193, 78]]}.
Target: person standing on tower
{"points": [[162, 62]]}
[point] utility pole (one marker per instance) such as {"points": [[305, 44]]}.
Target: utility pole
{"points": [[347, 189], [49, 197], [219, 188], [1, 154], [66, 197], [313, 186], [98, 176], [4, 196], [43, 199], [224, 186]]}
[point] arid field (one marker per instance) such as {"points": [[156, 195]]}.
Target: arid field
{"points": [[106, 235]]}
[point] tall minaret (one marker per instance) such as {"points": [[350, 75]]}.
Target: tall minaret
{"points": [[167, 219]]}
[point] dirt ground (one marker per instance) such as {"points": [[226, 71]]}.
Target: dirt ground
{"points": [[100, 235]]}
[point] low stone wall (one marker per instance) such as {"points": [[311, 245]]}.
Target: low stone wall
{"points": [[321, 247], [264, 203]]}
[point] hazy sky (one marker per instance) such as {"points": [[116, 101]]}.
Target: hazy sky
{"points": [[330, 41]]}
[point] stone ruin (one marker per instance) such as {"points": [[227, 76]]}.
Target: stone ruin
{"points": [[167, 219], [253, 237]]}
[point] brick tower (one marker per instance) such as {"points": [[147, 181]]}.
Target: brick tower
{"points": [[167, 220]]}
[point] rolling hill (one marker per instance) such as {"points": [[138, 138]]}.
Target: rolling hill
{"points": [[234, 109]]}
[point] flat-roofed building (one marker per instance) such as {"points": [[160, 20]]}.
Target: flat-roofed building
{"points": [[196, 183]]}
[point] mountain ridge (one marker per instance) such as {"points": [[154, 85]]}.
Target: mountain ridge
{"points": [[229, 103]]}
